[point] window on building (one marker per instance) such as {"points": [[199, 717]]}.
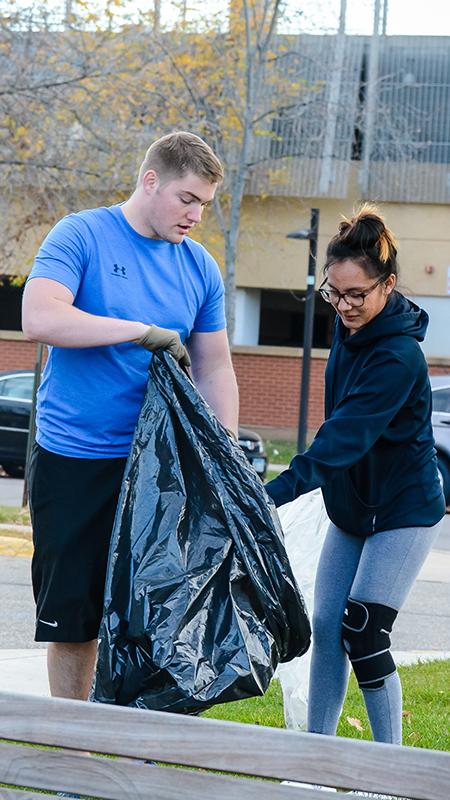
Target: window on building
{"points": [[10, 304], [297, 132], [283, 316]]}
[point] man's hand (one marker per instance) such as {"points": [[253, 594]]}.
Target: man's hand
{"points": [[155, 338]]}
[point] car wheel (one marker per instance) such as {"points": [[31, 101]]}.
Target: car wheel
{"points": [[14, 470], [444, 477]]}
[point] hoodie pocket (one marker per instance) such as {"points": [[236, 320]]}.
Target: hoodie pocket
{"points": [[347, 509]]}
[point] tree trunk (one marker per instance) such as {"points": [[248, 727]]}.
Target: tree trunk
{"points": [[230, 283]]}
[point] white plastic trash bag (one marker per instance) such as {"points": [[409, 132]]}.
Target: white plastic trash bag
{"points": [[305, 523]]}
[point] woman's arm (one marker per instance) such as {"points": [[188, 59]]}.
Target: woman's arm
{"points": [[354, 426]]}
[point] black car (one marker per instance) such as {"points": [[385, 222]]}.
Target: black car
{"points": [[16, 389]]}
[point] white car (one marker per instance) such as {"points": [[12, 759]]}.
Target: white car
{"points": [[440, 387]]}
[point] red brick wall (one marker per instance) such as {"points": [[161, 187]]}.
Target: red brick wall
{"points": [[269, 388], [436, 369], [16, 354]]}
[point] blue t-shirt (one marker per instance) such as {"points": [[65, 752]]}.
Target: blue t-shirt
{"points": [[90, 397]]}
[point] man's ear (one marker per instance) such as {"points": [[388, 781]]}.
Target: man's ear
{"points": [[150, 180]]}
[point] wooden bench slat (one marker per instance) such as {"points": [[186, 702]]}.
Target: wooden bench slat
{"points": [[54, 770], [227, 746]]}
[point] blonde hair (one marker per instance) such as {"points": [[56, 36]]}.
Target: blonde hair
{"points": [[175, 154]]}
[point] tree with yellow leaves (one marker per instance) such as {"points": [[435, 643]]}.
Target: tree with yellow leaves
{"points": [[87, 91]]}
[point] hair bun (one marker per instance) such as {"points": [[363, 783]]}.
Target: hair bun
{"points": [[366, 232]]}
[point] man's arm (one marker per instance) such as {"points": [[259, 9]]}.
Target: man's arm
{"points": [[214, 376], [49, 316]]}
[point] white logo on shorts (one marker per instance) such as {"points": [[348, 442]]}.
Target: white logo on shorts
{"points": [[52, 624]]}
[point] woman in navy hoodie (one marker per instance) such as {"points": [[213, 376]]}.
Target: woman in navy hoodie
{"points": [[375, 460]]}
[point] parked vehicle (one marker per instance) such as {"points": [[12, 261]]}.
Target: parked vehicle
{"points": [[16, 389], [440, 386], [253, 447]]}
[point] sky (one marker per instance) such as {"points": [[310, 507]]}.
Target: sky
{"points": [[405, 17], [430, 18]]}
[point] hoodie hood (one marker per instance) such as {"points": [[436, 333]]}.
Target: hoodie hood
{"points": [[400, 316], [374, 455]]}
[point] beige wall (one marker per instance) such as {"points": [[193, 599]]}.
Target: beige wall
{"points": [[266, 259]]}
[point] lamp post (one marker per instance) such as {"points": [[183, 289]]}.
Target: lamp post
{"points": [[308, 325]]}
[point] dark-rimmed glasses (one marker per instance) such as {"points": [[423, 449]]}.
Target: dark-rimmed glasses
{"points": [[354, 299]]}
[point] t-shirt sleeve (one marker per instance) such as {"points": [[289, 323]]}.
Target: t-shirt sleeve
{"points": [[63, 253], [211, 315]]}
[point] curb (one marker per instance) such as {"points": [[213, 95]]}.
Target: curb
{"points": [[15, 526], [16, 540], [15, 546], [407, 657]]}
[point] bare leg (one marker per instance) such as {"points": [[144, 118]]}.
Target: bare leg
{"points": [[71, 668]]}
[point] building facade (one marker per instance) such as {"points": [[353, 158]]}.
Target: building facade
{"points": [[372, 122]]}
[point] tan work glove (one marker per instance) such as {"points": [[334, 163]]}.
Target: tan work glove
{"points": [[156, 338]]}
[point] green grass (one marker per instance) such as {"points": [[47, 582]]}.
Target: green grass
{"points": [[280, 452], [266, 710], [14, 516], [269, 475], [426, 716]]}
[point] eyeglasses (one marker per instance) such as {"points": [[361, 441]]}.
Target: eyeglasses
{"points": [[354, 299]]}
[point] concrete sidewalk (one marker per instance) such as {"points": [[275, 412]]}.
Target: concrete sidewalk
{"points": [[25, 671]]}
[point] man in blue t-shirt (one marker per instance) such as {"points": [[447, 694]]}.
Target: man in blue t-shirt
{"points": [[108, 287]]}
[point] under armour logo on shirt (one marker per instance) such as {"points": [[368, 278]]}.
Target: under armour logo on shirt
{"points": [[119, 271]]}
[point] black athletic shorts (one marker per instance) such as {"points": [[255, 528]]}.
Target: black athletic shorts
{"points": [[73, 503]]}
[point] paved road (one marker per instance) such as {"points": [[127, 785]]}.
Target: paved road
{"points": [[422, 628], [424, 622], [11, 491], [16, 604]]}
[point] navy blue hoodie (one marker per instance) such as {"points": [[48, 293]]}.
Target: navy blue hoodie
{"points": [[374, 455]]}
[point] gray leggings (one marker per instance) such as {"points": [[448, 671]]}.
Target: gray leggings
{"points": [[379, 569]]}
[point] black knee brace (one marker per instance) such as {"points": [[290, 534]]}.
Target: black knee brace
{"points": [[365, 636]]}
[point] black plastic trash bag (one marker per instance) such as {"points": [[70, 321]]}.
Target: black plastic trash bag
{"points": [[200, 601]]}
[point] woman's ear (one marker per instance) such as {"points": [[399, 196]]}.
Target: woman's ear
{"points": [[390, 282]]}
